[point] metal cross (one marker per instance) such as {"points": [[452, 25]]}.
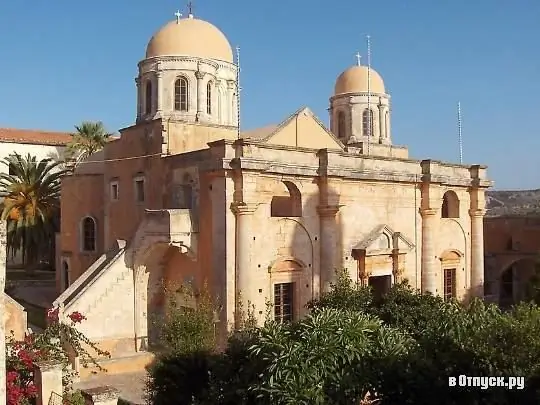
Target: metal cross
{"points": [[358, 57], [178, 14], [190, 8]]}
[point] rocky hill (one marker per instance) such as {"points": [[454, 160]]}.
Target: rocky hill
{"points": [[519, 202]]}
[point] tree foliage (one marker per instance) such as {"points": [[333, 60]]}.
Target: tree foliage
{"points": [[31, 204], [400, 348], [89, 137]]}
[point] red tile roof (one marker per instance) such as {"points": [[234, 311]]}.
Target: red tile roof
{"points": [[34, 137]]}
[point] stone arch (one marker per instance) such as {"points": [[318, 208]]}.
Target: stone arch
{"points": [[450, 205], [149, 281], [286, 263], [514, 279], [287, 205]]}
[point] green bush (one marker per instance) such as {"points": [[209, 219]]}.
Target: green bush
{"points": [[398, 349]]}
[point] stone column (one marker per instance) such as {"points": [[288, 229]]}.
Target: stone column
{"points": [[381, 123], [429, 264], [141, 277], [244, 272], [159, 93], [48, 381], [477, 252], [200, 92], [329, 245]]}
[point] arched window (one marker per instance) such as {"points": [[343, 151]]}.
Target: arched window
{"points": [[181, 94], [341, 125], [289, 205], [88, 234], [450, 205], [148, 97], [209, 98], [367, 122]]}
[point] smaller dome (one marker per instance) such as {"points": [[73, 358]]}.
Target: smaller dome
{"points": [[190, 37], [355, 80]]}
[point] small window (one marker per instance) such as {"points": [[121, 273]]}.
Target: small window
{"points": [[283, 302], [88, 234], [65, 274], [341, 131], [367, 122], [449, 284], [209, 98], [114, 191], [148, 97], [139, 190]]}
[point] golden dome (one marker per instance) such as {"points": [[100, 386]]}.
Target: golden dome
{"points": [[190, 37], [355, 80]]}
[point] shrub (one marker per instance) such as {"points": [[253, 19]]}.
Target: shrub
{"points": [[21, 356]]}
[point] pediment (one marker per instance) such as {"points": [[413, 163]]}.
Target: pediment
{"points": [[382, 240], [303, 130]]}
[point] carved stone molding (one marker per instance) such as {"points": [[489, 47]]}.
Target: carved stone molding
{"points": [[242, 208]]}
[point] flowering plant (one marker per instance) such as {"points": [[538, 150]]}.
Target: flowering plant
{"points": [[52, 344]]}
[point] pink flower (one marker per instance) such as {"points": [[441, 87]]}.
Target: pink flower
{"points": [[76, 317]]}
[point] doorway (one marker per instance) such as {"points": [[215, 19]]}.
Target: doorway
{"points": [[380, 285]]}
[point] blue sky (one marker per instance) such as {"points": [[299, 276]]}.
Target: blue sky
{"points": [[67, 61]]}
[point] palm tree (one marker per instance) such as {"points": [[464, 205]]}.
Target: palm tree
{"points": [[31, 205], [89, 137]]}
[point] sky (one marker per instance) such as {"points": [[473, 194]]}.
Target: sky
{"points": [[63, 62]]}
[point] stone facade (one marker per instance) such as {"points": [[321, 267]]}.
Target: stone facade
{"points": [[264, 217], [512, 244]]}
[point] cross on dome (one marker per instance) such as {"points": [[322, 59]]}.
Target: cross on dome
{"points": [[178, 14], [358, 57]]}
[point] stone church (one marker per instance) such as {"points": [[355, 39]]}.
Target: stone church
{"points": [[266, 215]]}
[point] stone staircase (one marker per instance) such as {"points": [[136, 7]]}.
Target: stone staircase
{"points": [[105, 292]]}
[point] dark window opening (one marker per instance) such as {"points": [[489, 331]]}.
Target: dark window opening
{"points": [[449, 284], [283, 302]]}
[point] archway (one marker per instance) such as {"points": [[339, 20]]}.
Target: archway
{"points": [[515, 281], [289, 204], [152, 277], [450, 205]]}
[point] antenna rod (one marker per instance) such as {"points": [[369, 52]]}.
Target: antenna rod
{"points": [[370, 113], [238, 89], [460, 139]]}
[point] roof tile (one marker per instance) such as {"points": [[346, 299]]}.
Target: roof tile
{"points": [[34, 137]]}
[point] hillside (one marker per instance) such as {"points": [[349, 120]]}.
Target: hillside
{"points": [[519, 202]]}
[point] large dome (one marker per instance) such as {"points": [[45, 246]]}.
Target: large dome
{"points": [[355, 80], [190, 37]]}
